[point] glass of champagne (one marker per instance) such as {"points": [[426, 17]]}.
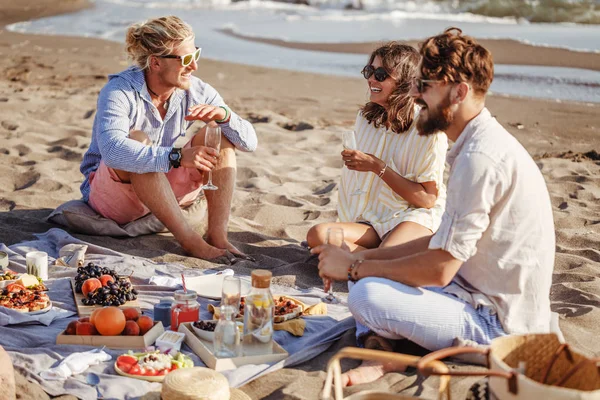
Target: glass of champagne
{"points": [[231, 293], [212, 139], [349, 143], [335, 237]]}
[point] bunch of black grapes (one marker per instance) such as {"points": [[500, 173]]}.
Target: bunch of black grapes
{"points": [[114, 293]]}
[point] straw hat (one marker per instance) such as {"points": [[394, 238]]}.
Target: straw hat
{"points": [[198, 383]]}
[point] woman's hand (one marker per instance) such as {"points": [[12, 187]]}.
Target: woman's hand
{"points": [[358, 161]]}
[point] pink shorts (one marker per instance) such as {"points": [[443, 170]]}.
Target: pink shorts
{"points": [[116, 200]]}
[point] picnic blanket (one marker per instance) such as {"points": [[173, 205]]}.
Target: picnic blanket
{"points": [[32, 347]]}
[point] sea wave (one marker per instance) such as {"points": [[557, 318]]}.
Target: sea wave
{"points": [[553, 11]]}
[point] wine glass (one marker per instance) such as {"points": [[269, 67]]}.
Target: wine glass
{"points": [[335, 237], [349, 143], [212, 139], [231, 292]]}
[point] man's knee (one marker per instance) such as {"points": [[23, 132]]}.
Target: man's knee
{"points": [[140, 136], [7, 376]]}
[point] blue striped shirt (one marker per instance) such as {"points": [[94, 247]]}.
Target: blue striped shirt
{"points": [[125, 104]]}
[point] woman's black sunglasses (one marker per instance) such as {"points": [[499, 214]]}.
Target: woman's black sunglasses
{"points": [[380, 73]]}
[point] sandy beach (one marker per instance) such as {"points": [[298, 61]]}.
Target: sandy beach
{"points": [[48, 91]]}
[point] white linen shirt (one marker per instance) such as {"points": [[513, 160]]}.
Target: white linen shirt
{"points": [[415, 157], [498, 221]]}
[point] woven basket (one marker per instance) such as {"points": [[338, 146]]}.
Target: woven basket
{"points": [[198, 384], [334, 372], [530, 367]]}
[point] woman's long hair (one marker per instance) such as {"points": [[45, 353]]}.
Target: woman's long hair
{"points": [[401, 62]]}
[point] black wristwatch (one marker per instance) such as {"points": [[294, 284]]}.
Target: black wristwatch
{"points": [[175, 157]]}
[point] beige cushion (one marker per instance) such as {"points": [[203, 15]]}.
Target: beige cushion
{"points": [[79, 217]]}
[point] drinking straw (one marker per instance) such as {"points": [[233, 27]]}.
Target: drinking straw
{"points": [[183, 283]]}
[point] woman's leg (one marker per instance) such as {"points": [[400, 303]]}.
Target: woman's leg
{"points": [[404, 232], [356, 236]]}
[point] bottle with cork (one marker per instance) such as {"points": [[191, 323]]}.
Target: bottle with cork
{"points": [[258, 315]]}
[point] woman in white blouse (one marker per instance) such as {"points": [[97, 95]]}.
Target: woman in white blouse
{"points": [[400, 173]]}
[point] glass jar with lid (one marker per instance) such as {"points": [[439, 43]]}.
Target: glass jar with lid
{"points": [[185, 308]]}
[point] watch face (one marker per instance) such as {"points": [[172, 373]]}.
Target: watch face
{"points": [[173, 156]]}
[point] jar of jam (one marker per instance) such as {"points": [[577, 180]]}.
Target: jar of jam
{"points": [[185, 308]]}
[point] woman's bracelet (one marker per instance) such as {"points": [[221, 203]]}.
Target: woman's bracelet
{"points": [[353, 270], [383, 170], [227, 115]]}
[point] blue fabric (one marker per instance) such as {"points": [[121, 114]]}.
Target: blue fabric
{"points": [[428, 317], [125, 104]]}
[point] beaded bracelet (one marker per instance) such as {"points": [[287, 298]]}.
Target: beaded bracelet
{"points": [[353, 270], [227, 115]]}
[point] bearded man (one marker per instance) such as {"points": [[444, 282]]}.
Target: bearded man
{"points": [[487, 271], [133, 167]]}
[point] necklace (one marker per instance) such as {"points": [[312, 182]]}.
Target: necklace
{"points": [[165, 104]]}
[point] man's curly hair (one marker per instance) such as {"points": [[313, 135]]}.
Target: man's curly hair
{"points": [[401, 62], [454, 57]]}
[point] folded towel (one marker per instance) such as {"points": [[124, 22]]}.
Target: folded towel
{"points": [[75, 364]]}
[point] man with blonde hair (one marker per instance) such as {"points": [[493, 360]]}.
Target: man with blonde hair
{"points": [[487, 271], [133, 167]]}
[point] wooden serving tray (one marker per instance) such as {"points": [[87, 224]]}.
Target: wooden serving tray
{"points": [[114, 342], [86, 311], [204, 349]]}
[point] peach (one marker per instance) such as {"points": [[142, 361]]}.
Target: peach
{"points": [[104, 279], [131, 314], [86, 328], [85, 319], [146, 323], [72, 328], [131, 329], [110, 321], [90, 285], [93, 316]]}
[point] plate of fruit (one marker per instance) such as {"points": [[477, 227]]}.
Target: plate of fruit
{"points": [[101, 286], [151, 366]]}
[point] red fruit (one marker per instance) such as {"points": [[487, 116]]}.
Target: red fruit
{"points": [[85, 319], [131, 314], [87, 329], [146, 323], [72, 328], [90, 285], [126, 362], [104, 279], [131, 329]]}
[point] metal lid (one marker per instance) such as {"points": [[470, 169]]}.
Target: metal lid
{"points": [[261, 278], [183, 295]]}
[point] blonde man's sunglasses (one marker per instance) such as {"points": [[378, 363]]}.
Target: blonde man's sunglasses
{"points": [[187, 58]]}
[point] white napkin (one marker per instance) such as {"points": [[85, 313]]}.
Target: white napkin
{"points": [[12, 317], [75, 364], [176, 282]]}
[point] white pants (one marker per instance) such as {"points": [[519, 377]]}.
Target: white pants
{"points": [[426, 316]]}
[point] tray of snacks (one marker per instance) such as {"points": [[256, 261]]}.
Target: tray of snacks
{"points": [[95, 287], [205, 350], [28, 301], [151, 366], [285, 308]]}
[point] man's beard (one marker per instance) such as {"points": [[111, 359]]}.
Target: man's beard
{"points": [[437, 120]]}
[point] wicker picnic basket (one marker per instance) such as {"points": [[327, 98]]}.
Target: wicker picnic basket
{"points": [[536, 366], [334, 374]]}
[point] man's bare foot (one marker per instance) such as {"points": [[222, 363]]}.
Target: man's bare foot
{"points": [[224, 244], [370, 371], [197, 247]]}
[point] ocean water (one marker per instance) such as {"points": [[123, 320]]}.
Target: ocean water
{"points": [[328, 21]]}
